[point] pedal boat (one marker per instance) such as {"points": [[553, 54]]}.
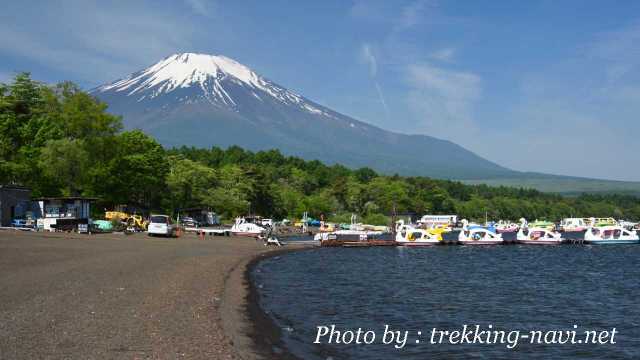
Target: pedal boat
{"points": [[478, 236], [610, 235], [407, 235]]}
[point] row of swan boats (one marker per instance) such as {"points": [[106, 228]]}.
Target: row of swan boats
{"points": [[473, 234]]}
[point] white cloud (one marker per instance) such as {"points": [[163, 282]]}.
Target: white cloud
{"points": [[368, 57], [399, 18], [94, 41], [442, 100], [413, 13], [552, 136], [201, 7], [444, 55], [577, 116], [371, 10]]}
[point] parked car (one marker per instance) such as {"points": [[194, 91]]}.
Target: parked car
{"points": [[188, 221], [162, 225]]}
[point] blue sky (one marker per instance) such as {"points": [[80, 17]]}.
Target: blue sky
{"points": [[548, 86]]}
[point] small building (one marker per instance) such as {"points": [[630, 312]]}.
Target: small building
{"points": [[64, 213], [15, 203]]}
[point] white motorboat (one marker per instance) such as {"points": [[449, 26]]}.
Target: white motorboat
{"points": [[609, 235], [478, 235], [408, 235]]}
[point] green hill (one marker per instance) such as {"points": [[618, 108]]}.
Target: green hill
{"points": [[565, 185]]}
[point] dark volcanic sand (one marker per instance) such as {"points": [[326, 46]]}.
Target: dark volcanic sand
{"points": [[116, 296]]}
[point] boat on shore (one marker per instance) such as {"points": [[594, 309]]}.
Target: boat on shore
{"points": [[477, 235], [610, 235], [242, 227], [354, 238], [537, 236], [408, 235]]}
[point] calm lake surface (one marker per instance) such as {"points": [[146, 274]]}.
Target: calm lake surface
{"points": [[511, 287]]}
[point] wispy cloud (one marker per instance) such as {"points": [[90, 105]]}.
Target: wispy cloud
{"points": [[444, 55], [414, 13], [579, 114], [442, 100], [369, 58], [201, 7], [114, 39]]}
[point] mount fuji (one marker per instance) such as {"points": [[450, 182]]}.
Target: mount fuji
{"points": [[204, 100]]}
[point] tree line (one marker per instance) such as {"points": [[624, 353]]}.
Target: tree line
{"points": [[60, 141]]}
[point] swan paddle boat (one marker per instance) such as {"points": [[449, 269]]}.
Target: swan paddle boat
{"points": [[537, 235], [244, 228], [476, 235], [407, 235], [506, 227], [610, 235]]}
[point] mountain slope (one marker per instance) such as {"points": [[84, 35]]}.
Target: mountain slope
{"points": [[205, 100]]}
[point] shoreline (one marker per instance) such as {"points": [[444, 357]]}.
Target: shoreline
{"points": [[256, 334], [113, 296]]}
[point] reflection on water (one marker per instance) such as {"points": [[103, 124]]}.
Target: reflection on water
{"points": [[511, 287]]}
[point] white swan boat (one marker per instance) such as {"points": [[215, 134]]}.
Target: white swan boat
{"points": [[605, 235], [244, 228], [407, 235], [537, 235], [478, 235]]}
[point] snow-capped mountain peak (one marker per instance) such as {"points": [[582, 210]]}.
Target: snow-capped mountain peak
{"points": [[216, 77], [183, 70], [203, 100]]}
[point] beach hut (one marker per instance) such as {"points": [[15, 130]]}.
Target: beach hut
{"points": [[64, 213]]}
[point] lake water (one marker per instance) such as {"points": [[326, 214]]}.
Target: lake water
{"points": [[511, 288]]}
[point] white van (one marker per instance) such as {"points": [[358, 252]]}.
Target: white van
{"points": [[161, 225]]}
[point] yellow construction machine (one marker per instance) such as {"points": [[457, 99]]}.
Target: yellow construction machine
{"points": [[132, 221]]}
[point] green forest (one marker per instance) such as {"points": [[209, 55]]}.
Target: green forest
{"points": [[59, 140]]}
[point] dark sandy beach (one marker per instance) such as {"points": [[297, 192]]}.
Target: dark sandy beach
{"points": [[117, 296]]}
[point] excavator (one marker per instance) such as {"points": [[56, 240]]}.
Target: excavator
{"points": [[133, 222]]}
